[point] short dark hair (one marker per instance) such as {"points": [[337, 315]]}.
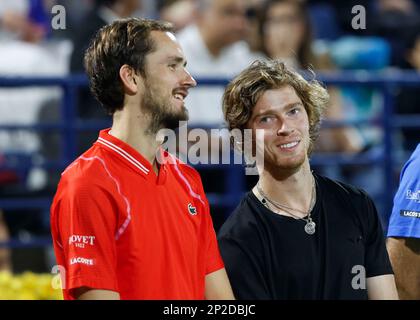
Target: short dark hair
{"points": [[125, 41]]}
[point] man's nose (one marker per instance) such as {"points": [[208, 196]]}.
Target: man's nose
{"points": [[188, 80], [285, 129]]}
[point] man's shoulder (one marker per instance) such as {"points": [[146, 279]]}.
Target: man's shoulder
{"points": [[349, 198], [88, 169], [241, 223], [331, 186], [410, 169]]}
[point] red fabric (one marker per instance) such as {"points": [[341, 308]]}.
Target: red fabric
{"points": [[118, 226]]}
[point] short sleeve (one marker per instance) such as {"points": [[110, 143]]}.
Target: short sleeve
{"points": [[84, 223], [214, 260], [405, 217], [244, 270], [376, 256]]}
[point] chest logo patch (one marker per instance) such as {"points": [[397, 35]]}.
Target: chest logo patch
{"points": [[192, 210]]}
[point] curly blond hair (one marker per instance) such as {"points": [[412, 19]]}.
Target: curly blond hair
{"points": [[243, 92]]}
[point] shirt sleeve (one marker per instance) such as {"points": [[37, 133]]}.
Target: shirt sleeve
{"points": [[405, 217], [214, 260], [86, 223], [376, 256], [244, 269]]}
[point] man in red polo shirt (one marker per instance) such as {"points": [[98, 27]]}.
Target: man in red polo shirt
{"points": [[130, 221]]}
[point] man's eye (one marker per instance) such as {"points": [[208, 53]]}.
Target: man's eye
{"points": [[294, 111], [266, 119], [172, 66]]}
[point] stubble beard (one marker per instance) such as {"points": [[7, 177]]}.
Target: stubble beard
{"points": [[162, 112], [278, 163]]}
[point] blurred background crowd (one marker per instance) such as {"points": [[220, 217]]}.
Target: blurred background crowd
{"points": [[219, 38]]}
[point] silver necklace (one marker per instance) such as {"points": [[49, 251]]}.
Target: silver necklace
{"points": [[310, 225]]}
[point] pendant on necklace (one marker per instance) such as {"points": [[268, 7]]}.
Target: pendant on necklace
{"points": [[310, 227]]}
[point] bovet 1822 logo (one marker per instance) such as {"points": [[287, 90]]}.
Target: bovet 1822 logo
{"points": [[192, 210], [413, 195], [81, 241]]}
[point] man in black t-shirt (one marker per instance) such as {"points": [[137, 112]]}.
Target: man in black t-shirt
{"points": [[297, 235]]}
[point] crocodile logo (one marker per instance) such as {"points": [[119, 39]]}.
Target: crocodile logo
{"points": [[192, 210]]}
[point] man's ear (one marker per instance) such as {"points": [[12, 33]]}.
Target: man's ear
{"points": [[129, 79]]}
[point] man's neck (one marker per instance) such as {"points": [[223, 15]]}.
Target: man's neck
{"points": [[132, 128], [293, 189]]}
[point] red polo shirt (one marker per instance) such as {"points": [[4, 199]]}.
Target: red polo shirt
{"points": [[118, 226]]}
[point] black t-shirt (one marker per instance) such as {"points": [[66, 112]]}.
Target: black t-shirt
{"points": [[270, 256]]}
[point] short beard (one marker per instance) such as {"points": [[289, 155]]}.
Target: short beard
{"points": [[167, 120], [161, 114]]}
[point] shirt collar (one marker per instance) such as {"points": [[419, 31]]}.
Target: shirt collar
{"points": [[125, 151]]}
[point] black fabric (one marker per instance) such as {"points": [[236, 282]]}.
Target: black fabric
{"points": [[269, 256]]}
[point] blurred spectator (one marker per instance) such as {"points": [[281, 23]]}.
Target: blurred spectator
{"points": [[180, 13], [215, 47], [324, 11], [102, 13], [252, 13], [23, 19], [364, 105], [340, 16], [362, 102], [76, 11], [21, 56], [25, 52], [389, 19], [392, 21], [407, 99], [286, 34]]}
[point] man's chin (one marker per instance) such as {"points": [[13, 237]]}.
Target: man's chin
{"points": [[175, 121], [291, 165]]}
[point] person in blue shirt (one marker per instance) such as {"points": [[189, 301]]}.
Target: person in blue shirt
{"points": [[403, 241]]}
